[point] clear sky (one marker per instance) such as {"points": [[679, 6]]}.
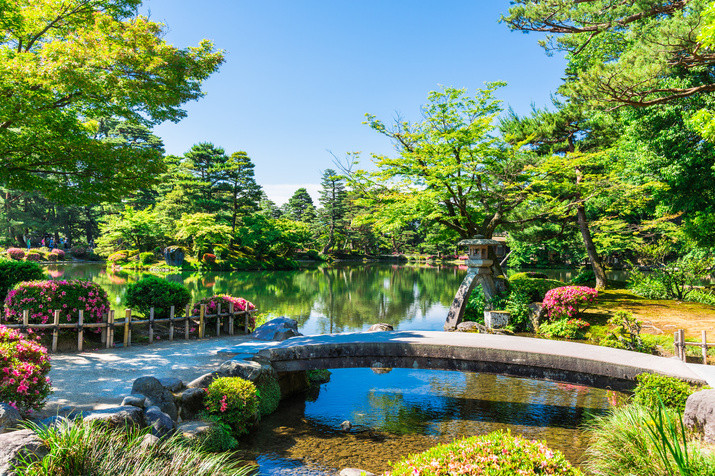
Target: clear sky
{"points": [[300, 75]]}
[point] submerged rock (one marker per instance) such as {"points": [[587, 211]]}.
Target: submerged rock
{"points": [[380, 327]]}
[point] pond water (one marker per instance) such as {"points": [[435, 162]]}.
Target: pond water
{"points": [[396, 413]]}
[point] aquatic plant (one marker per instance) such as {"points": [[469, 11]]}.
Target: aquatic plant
{"points": [[24, 366], [269, 395], [234, 401]]}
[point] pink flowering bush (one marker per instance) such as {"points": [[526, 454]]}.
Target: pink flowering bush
{"points": [[41, 298], [495, 454], [52, 257], [568, 301], [16, 253], [234, 401], [60, 254], [33, 256], [239, 304], [24, 365]]}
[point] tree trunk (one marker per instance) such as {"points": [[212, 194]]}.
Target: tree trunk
{"points": [[591, 248]]}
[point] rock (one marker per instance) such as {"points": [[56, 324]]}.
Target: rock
{"points": [[191, 402], [174, 385], [380, 327], [18, 445], [135, 400], [280, 328], [156, 395], [245, 369], [9, 417], [204, 381], [699, 414], [194, 429], [469, 326], [537, 313], [149, 441], [355, 472], [54, 421], [160, 423], [118, 416], [496, 319], [346, 425]]}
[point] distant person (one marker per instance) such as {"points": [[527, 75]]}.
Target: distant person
{"points": [[43, 242], [52, 244], [29, 244]]}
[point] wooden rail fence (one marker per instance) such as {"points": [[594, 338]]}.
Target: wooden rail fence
{"points": [[680, 345], [109, 324]]}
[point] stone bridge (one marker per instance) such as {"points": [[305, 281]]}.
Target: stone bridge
{"points": [[561, 361]]}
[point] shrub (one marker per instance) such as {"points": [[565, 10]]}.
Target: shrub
{"points": [[16, 253], [52, 257], [234, 401], [78, 251], [527, 275], [224, 300], [41, 298], [23, 371], [565, 328], [33, 256], [13, 272], [495, 454], [60, 253], [218, 438], [671, 391], [269, 393], [586, 276], [147, 258], [209, 258], [535, 288], [568, 301], [158, 293], [625, 333], [702, 296], [118, 256]]}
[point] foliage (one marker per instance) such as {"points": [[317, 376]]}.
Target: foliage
{"points": [[122, 256], [224, 300], [495, 454], [60, 254], [517, 305], [653, 390], [218, 438], [318, 376], [78, 251], [333, 197], [147, 257], [130, 228], [209, 258], [673, 280], [565, 328], [13, 272], [568, 301], [234, 401], [534, 288], [161, 294], [41, 298], [586, 276], [24, 366], [16, 253], [623, 442], [625, 333], [89, 448], [527, 275], [203, 231], [702, 296], [269, 395], [33, 256]]}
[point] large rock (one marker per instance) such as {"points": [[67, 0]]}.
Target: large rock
{"points": [[118, 416], [174, 385], [160, 423], [380, 327], [280, 328], [192, 402], [204, 381], [245, 369], [18, 445], [471, 326], [194, 429], [537, 315], [136, 400], [9, 417], [699, 414], [156, 395]]}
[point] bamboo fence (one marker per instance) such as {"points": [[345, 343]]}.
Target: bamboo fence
{"points": [[680, 344]]}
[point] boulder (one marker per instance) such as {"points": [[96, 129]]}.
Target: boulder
{"points": [[204, 381], [54, 421], [174, 385], [156, 395], [9, 417], [470, 326], [118, 416], [280, 328], [191, 402], [355, 472], [380, 327], [160, 423], [194, 429], [18, 445], [135, 400], [699, 414], [149, 441], [245, 369]]}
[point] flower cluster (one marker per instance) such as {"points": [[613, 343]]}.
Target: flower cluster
{"points": [[568, 301], [60, 254], [224, 300], [42, 298], [33, 256], [15, 253], [24, 365], [494, 454]]}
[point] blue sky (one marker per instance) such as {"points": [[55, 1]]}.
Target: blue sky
{"points": [[301, 74]]}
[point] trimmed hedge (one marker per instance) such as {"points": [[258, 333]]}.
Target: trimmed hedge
{"points": [[13, 272], [16, 253], [534, 288], [234, 401], [24, 366], [158, 293]]}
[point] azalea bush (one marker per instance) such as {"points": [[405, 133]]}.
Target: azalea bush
{"points": [[24, 366], [33, 256], [495, 454], [565, 328], [234, 401], [16, 253], [60, 253], [568, 301], [41, 298], [224, 300]]}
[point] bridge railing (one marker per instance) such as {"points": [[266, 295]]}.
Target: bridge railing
{"points": [[680, 345]]}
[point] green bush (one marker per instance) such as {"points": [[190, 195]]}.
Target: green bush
{"points": [[158, 293], [534, 288], [495, 454], [24, 366], [269, 395], [218, 438], [528, 275], [565, 328], [702, 296], [625, 333], [652, 389], [13, 272], [147, 258], [234, 401]]}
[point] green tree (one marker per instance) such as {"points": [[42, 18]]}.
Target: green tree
{"points": [[130, 229], [237, 181], [333, 198], [64, 62], [205, 163], [202, 231], [298, 204]]}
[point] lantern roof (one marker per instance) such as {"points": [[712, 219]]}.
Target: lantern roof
{"points": [[478, 240]]}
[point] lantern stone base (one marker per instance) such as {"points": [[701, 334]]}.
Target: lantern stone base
{"points": [[496, 319]]}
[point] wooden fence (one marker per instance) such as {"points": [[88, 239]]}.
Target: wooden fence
{"points": [[680, 344], [109, 324]]}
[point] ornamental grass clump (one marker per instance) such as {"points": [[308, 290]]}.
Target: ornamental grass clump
{"points": [[24, 366], [495, 454], [234, 401], [224, 300], [568, 301], [41, 298]]}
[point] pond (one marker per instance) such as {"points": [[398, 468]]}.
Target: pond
{"points": [[396, 413]]}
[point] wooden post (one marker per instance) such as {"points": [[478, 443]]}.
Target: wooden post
{"points": [[80, 329], [246, 315], [103, 329], [705, 348], [676, 344], [218, 321], [151, 325], [187, 320], [25, 321], [202, 316], [681, 338], [110, 329], [127, 328], [55, 330], [171, 323], [230, 318]]}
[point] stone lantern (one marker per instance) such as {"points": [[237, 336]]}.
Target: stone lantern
{"points": [[479, 272]]}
